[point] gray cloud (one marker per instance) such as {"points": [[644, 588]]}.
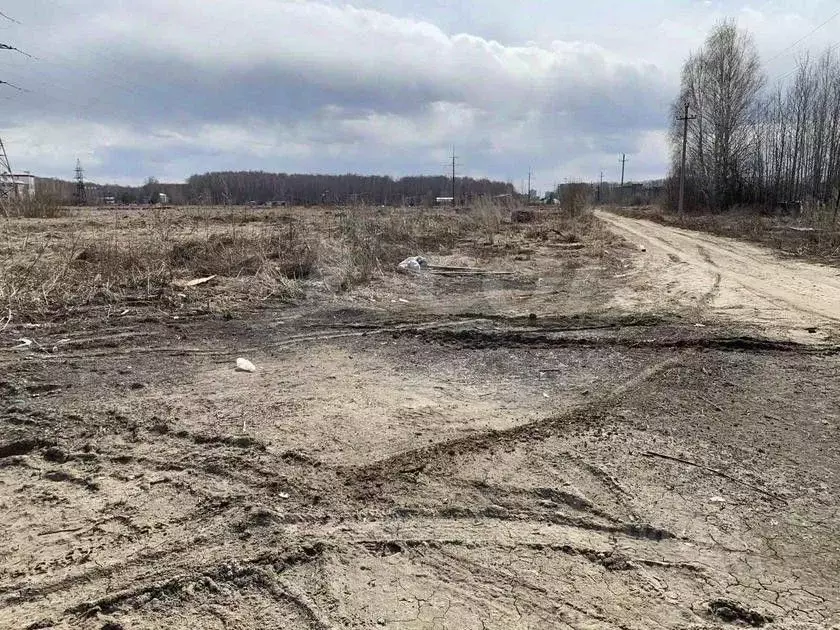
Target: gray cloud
{"points": [[168, 88]]}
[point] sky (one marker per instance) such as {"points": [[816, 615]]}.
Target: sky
{"points": [[168, 88]]}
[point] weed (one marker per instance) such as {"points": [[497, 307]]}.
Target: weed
{"points": [[39, 207], [94, 257]]}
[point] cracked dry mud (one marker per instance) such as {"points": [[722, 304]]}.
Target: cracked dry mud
{"points": [[449, 462]]}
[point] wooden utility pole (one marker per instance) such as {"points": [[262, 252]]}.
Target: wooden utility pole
{"points": [[454, 157], [623, 161], [600, 186], [685, 118], [529, 185]]}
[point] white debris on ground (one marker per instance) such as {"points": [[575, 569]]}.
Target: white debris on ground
{"points": [[415, 264], [244, 365]]}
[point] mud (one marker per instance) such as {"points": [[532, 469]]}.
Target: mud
{"points": [[493, 460]]}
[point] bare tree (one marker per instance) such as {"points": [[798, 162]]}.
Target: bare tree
{"points": [[799, 137], [722, 84]]}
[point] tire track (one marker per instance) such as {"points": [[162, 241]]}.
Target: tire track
{"points": [[806, 290], [441, 452]]}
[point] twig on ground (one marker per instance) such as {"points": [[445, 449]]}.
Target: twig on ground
{"points": [[715, 471], [472, 273], [711, 404]]}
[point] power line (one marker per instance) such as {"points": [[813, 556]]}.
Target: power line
{"points": [[47, 90], [781, 77], [7, 180], [7, 47], [151, 80], [79, 110], [8, 185], [114, 79], [803, 38], [11, 19]]}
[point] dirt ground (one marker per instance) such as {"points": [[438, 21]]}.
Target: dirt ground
{"points": [[738, 282], [640, 433]]}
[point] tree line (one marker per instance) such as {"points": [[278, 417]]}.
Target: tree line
{"points": [[244, 187], [747, 144]]}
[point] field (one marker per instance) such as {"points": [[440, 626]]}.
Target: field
{"points": [[576, 421]]}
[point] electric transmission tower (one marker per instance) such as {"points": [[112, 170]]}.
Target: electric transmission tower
{"points": [[8, 188], [7, 181], [81, 194]]}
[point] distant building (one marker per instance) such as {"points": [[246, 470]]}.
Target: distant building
{"points": [[163, 198], [110, 201], [444, 200], [19, 185]]}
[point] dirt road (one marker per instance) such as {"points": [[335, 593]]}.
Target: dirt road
{"points": [[555, 444], [736, 281]]}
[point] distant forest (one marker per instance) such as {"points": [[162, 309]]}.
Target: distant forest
{"points": [[238, 188]]}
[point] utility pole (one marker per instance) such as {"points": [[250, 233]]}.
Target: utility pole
{"points": [[685, 118], [623, 161], [529, 186], [81, 193], [454, 157], [600, 186]]}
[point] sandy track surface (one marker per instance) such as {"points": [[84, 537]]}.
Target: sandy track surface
{"points": [[561, 447], [734, 280]]}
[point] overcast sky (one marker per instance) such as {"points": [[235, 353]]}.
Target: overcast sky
{"points": [[168, 88]]}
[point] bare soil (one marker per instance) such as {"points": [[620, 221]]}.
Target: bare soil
{"points": [[810, 232], [734, 282], [642, 432]]}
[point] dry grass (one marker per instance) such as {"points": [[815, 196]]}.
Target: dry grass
{"points": [[812, 234], [574, 199], [56, 265], [116, 257], [35, 208], [368, 242]]}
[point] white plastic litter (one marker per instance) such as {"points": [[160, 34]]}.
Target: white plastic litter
{"points": [[244, 365], [415, 264], [24, 343], [185, 284]]}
